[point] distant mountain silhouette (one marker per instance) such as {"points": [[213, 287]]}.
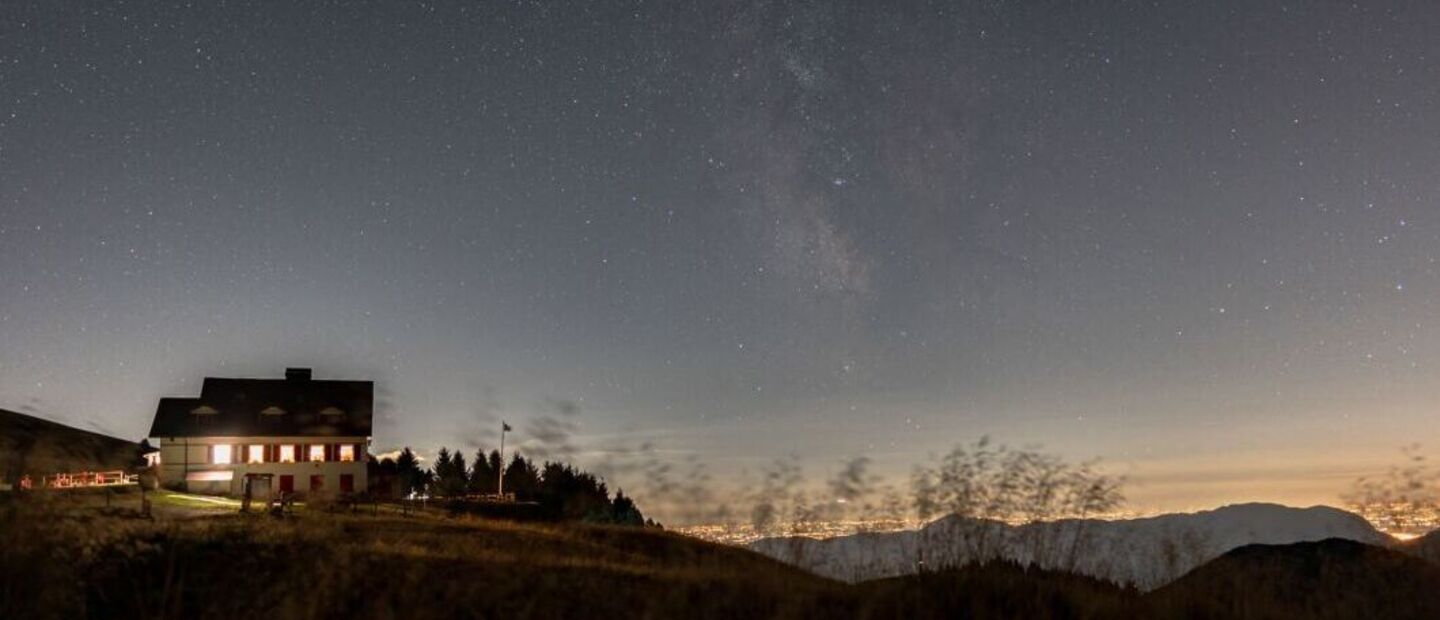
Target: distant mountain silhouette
{"points": [[37, 446], [1333, 578], [1426, 547], [1146, 552]]}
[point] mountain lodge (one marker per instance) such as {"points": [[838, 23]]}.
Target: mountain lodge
{"points": [[296, 435]]}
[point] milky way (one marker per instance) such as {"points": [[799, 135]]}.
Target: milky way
{"points": [[1197, 240]]}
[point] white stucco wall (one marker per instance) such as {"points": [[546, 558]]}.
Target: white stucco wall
{"points": [[190, 457]]}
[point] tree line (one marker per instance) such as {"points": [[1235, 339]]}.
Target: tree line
{"points": [[562, 491]]}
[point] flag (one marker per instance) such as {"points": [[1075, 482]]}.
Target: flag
{"points": [[505, 428]]}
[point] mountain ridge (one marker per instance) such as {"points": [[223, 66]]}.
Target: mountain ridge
{"points": [[1145, 552]]}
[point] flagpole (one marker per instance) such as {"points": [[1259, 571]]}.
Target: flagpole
{"points": [[500, 473]]}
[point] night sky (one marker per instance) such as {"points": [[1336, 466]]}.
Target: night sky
{"points": [[1197, 240]]}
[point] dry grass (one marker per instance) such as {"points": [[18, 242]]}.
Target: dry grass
{"points": [[75, 559], [77, 563], [388, 566]]}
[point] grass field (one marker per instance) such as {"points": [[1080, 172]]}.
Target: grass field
{"points": [[78, 556], [60, 561]]}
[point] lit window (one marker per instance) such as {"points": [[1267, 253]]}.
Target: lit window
{"points": [[317, 452], [255, 454], [287, 454], [347, 453], [221, 454]]}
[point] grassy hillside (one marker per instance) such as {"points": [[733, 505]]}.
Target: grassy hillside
{"points": [[324, 565], [60, 560], [1328, 579], [37, 446], [1000, 590]]}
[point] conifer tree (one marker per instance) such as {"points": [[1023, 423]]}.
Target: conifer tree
{"points": [[458, 480], [624, 512], [412, 478], [482, 475], [442, 463], [521, 478]]}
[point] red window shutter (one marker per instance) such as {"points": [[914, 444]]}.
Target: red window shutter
{"points": [[329, 452], [304, 453]]}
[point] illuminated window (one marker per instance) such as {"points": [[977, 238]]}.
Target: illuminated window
{"points": [[317, 452], [255, 453], [287, 454], [220, 454], [347, 453]]}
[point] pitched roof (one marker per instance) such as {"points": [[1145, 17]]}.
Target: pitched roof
{"points": [[293, 407]]}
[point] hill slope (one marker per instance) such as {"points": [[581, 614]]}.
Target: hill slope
{"points": [[66, 564], [343, 566], [1426, 547], [37, 446], [1328, 579]]}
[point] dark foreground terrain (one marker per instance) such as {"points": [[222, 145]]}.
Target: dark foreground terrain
{"points": [[61, 562]]}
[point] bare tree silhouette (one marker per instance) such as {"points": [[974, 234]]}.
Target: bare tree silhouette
{"points": [[987, 489]]}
